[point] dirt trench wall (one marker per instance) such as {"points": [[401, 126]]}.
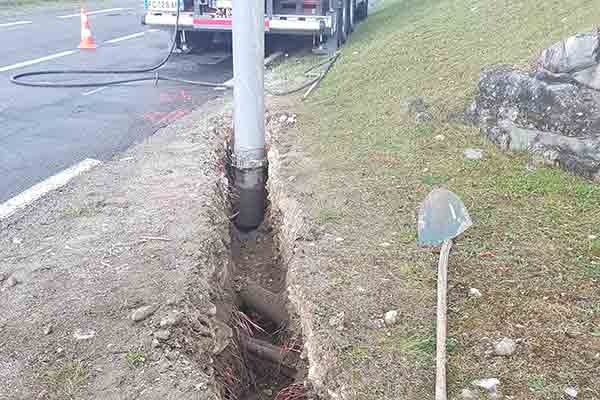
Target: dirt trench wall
{"points": [[296, 237]]}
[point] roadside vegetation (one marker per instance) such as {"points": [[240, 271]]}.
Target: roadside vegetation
{"points": [[533, 252]]}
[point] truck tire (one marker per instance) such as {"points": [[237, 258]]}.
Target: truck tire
{"points": [[342, 25], [353, 14], [363, 10]]}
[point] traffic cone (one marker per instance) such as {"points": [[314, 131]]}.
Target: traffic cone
{"points": [[87, 42]]}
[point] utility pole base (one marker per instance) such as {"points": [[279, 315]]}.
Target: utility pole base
{"points": [[250, 196]]}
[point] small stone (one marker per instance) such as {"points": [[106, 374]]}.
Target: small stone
{"points": [[440, 138], [17, 240], [268, 392], [473, 154], [489, 384], [155, 343], [505, 347], [337, 321], [12, 281], [212, 310], [282, 119], [339, 239], [391, 318], [468, 394], [163, 334], [355, 53], [474, 292], [47, 329], [424, 116], [571, 392], [173, 318], [385, 244], [82, 334], [572, 333], [173, 355], [143, 312], [59, 350], [375, 323], [164, 365]]}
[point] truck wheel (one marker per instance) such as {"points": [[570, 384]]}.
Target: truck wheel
{"points": [[353, 14], [342, 23]]}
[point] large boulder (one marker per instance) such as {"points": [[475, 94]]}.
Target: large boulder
{"points": [[555, 119], [574, 58]]}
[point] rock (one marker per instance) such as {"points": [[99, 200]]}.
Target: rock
{"points": [[143, 312], [83, 334], [573, 333], [424, 116], [155, 343], [375, 323], [385, 244], [164, 365], [163, 334], [339, 239], [468, 394], [212, 310], [48, 329], [12, 281], [571, 392], [474, 293], [337, 321], [413, 105], [391, 318], [473, 154], [59, 350], [575, 57], [440, 138], [17, 240], [505, 347], [489, 384], [268, 392], [173, 355], [223, 334], [173, 318], [557, 120], [282, 119]]}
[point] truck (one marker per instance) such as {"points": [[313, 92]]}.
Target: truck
{"points": [[328, 22]]}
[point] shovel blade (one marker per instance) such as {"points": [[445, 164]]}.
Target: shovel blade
{"points": [[442, 216]]}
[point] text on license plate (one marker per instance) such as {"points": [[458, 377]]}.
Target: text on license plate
{"points": [[165, 5]]}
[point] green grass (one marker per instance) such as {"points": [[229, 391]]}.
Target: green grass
{"points": [[535, 223], [65, 380], [536, 383], [135, 359]]}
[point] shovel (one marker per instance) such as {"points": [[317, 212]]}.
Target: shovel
{"points": [[442, 217]]}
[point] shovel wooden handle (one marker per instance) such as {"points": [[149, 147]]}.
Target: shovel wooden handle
{"points": [[442, 321]]}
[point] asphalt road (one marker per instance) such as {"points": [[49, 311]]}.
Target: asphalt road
{"points": [[43, 131]]}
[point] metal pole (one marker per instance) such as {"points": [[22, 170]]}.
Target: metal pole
{"points": [[249, 159]]}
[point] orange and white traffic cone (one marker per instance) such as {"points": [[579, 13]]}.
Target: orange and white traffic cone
{"points": [[87, 42]]}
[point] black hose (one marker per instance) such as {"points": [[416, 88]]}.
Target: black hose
{"points": [[329, 64], [17, 79]]}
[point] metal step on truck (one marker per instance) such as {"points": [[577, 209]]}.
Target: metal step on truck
{"points": [[329, 22]]}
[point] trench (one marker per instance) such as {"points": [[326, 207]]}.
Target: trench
{"points": [[264, 359]]}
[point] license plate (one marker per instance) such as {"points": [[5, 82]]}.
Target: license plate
{"points": [[164, 5]]}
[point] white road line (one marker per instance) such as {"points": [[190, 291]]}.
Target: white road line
{"points": [[122, 38], [95, 90], [38, 191], [16, 23], [95, 12], [37, 60]]}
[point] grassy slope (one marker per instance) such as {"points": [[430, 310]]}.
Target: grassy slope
{"points": [[377, 165]]}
